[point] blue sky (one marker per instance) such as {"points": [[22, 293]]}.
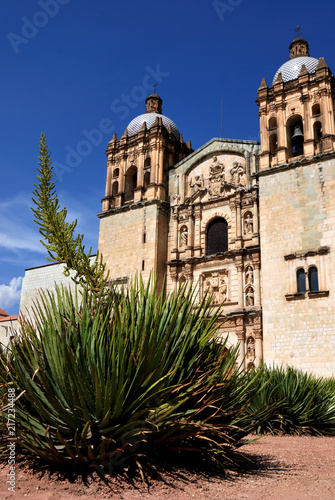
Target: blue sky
{"points": [[80, 71]]}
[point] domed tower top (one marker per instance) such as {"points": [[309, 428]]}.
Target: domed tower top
{"points": [[153, 104], [299, 48], [297, 112], [299, 56]]}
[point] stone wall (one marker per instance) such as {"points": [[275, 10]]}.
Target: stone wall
{"points": [[133, 240], [38, 278], [297, 228]]}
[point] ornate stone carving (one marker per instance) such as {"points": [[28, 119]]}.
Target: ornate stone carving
{"points": [[183, 237], [197, 183], [216, 178], [216, 284], [132, 156], [249, 296], [251, 352], [248, 223], [249, 275], [237, 174]]}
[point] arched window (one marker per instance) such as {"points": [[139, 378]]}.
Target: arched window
{"points": [[301, 280], [313, 282], [295, 136], [115, 188], [217, 236], [273, 122], [147, 162], [315, 109], [131, 183], [317, 127], [116, 172], [146, 179], [273, 143]]}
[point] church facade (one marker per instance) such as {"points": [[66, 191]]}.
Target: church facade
{"points": [[253, 224]]}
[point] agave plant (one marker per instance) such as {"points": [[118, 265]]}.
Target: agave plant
{"points": [[124, 375], [301, 403]]}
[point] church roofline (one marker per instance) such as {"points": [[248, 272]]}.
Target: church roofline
{"points": [[52, 264], [199, 151]]}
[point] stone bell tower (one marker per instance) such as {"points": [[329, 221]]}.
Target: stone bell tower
{"points": [[134, 217], [297, 218], [297, 112]]}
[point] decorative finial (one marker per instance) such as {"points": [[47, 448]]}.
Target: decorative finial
{"points": [[298, 30], [154, 86]]}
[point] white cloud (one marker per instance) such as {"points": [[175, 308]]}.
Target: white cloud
{"points": [[10, 294], [20, 244], [18, 231], [23, 240]]}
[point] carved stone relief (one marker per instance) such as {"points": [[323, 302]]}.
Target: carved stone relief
{"points": [[251, 352], [249, 275], [248, 223], [249, 296], [196, 183], [216, 178], [216, 283], [237, 174], [183, 237]]}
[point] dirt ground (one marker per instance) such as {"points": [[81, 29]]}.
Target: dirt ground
{"points": [[282, 468]]}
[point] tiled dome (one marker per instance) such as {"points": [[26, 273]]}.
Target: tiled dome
{"points": [[291, 69], [150, 118]]}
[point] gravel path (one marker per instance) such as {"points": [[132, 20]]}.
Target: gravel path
{"points": [[289, 468]]}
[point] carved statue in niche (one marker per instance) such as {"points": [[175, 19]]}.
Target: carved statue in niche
{"points": [[216, 178], [251, 353], [183, 237], [248, 224], [249, 296], [237, 174], [216, 285], [222, 290], [197, 183], [249, 275]]}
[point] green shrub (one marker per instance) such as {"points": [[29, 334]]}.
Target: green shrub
{"points": [[121, 376], [301, 403]]}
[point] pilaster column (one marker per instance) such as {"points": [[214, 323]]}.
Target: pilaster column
{"points": [[108, 190], [258, 347], [175, 231], [325, 113], [197, 233], [255, 235], [154, 165], [241, 352], [257, 285], [174, 277], [255, 218], [140, 175], [281, 136], [263, 130], [308, 131], [123, 166], [248, 167], [239, 267], [191, 227], [160, 154], [238, 243], [190, 241]]}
